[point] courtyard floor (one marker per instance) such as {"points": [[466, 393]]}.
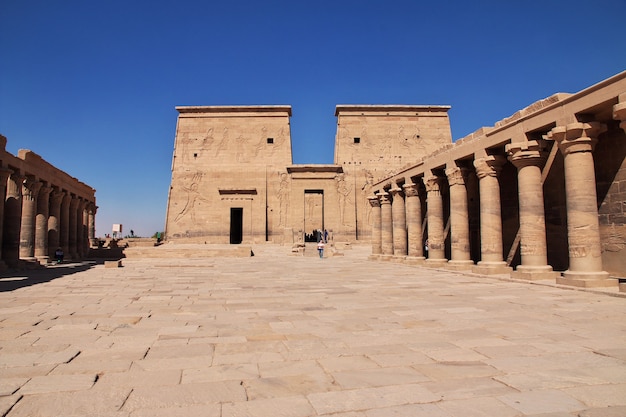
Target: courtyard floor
{"points": [[276, 335]]}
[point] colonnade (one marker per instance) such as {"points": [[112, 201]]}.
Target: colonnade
{"points": [[37, 218], [398, 220]]}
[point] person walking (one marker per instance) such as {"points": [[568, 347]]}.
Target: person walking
{"points": [[320, 248]]}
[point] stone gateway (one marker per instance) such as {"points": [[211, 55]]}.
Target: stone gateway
{"points": [[234, 181]]}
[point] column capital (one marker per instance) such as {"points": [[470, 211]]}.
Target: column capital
{"points": [[56, 196], [531, 153], [410, 190], [30, 187], [396, 191], [456, 175], [5, 173], [619, 113], [489, 166], [45, 190], [374, 201], [432, 183], [577, 137], [384, 197]]}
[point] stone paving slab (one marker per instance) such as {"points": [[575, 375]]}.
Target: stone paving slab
{"points": [[278, 335]]}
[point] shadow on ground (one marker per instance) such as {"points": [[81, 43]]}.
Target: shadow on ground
{"points": [[14, 279]]}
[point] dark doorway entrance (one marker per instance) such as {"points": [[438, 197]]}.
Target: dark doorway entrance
{"points": [[236, 225]]}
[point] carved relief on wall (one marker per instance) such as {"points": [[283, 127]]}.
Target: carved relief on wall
{"points": [[193, 196], [284, 196], [366, 191], [343, 196], [223, 144]]}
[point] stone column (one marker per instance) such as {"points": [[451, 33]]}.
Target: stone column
{"points": [[91, 213], [64, 236], [73, 228], [492, 259], [12, 220], [54, 221], [529, 158], [81, 226], [377, 249], [386, 226], [459, 220], [576, 142], [415, 249], [30, 191], [41, 225], [436, 239], [398, 214], [4, 176]]}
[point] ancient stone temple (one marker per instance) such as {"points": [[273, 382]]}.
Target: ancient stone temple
{"points": [[44, 209], [234, 181], [541, 191]]}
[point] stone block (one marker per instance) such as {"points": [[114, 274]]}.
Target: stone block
{"points": [[113, 264]]}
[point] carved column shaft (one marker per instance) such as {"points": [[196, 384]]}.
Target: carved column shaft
{"points": [[386, 224], [64, 236], [576, 142], [376, 226], [12, 220], [413, 221], [54, 220], [73, 227], [529, 158], [41, 223], [91, 210], [436, 239], [4, 176], [459, 216], [30, 191], [487, 170], [398, 214]]}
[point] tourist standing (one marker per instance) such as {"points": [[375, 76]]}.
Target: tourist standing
{"points": [[320, 248]]}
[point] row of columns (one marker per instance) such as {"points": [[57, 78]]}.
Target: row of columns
{"points": [[397, 227], [36, 219]]}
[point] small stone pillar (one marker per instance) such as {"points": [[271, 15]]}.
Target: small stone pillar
{"points": [[398, 215], [529, 158], [576, 142], [459, 220], [377, 249], [492, 259], [415, 249], [386, 226], [41, 225], [30, 191], [81, 232], [436, 239]]}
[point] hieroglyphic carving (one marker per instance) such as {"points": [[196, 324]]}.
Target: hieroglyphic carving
{"points": [[284, 195], [192, 197], [343, 196]]}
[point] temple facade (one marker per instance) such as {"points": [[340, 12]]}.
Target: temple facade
{"points": [[44, 209], [234, 181], [541, 191]]}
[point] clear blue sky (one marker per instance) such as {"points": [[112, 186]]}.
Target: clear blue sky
{"points": [[92, 86]]}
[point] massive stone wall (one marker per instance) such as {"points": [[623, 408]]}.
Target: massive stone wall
{"points": [[233, 179]]}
